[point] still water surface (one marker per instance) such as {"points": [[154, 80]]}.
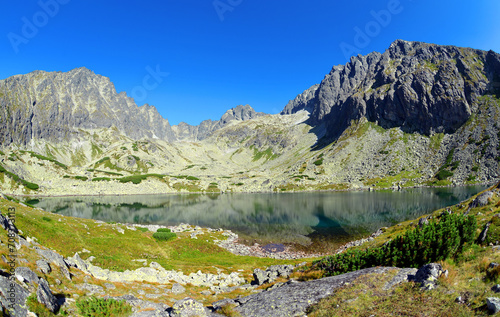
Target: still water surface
{"points": [[323, 219]]}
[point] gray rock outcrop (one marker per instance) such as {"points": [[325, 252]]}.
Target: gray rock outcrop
{"points": [[43, 266], [428, 274], [493, 304], [293, 298], [26, 275], [45, 296], [416, 86], [188, 307], [272, 273], [13, 297]]}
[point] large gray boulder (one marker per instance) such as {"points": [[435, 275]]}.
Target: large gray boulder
{"points": [[43, 266], [45, 296], [13, 297], [493, 304], [26, 275], [56, 258]]}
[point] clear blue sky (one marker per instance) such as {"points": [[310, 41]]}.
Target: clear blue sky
{"points": [[219, 54]]}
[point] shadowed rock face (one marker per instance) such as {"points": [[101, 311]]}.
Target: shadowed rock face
{"points": [[419, 87], [54, 106]]}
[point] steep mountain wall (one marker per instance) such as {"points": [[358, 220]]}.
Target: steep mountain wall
{"points": [[54, 105]]}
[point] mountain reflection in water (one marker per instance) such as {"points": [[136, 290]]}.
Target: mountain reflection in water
{"points": [[329, 218]]}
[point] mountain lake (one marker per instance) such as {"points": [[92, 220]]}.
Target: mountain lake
{"points": [[316, 221]]}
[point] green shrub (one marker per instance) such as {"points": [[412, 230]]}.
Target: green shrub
{"points": [[90, 307], [192, 178], [44, 158], [81, 178], [163, 230], [443, 174], [104, 159], [318, 162], [164, 236], [475, 168], [98, 179], [137, 179], [46, 219], [433, 242]]}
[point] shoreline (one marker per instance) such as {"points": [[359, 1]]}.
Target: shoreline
{"points": [[360, 189]]}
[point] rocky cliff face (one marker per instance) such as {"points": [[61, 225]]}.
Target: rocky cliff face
{"points": [[54, 106], [200, 132], [418, 87]]}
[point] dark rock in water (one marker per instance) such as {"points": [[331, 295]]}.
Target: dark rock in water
{"points": [[274, 247], [45, 296]]}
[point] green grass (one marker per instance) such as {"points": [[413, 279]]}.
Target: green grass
{"points": [[267, 154], [93, 307]]}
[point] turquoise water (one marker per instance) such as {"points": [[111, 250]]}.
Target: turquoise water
{"points": [[320, 218]]}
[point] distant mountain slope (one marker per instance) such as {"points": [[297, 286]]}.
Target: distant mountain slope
{"points": [[54, 105], [199, 132]]}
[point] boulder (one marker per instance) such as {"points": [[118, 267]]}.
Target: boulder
{"points": [[45, 296], [484, 233], [25, 274], [188, 307], [7, 225], [272, 273], [428, 274], [52, 257], [493, 304], [481, 200], [14, 304], [43, 266], [178, 289]]}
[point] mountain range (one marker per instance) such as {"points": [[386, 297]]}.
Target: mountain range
{"points": [[416, 114]]}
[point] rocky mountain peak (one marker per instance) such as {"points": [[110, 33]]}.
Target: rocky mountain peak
{"points": [[55, 105], [420, 87], [185, 131]]}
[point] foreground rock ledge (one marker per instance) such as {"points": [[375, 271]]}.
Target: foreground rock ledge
{"points": [[294, 298]]}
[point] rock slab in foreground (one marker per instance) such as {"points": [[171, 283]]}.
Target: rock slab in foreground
{"points": [[293, 299]]}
